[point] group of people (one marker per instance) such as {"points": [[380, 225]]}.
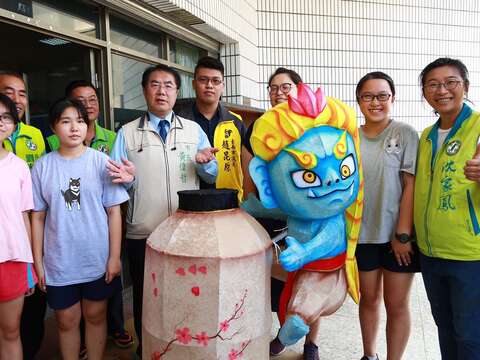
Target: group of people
{"points": [[421, 212], [73, 125], [61, 223]]}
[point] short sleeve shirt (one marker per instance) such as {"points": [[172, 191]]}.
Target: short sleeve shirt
{"points": [[384, 158], [75, 193], [15, 198]]}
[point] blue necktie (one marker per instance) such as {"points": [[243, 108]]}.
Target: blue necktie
{"points": [[163, 126]]}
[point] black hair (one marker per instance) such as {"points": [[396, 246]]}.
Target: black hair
{"points": [[208, 62], [292, 74], [164, 68], [372, 76], [61, 105], [445, 61], [76, 84], [10, 105], [16, 74]]}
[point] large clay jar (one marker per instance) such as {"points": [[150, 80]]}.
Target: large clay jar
{"points": [[207, 282]]}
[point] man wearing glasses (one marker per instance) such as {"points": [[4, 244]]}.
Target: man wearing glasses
{"points": [[168, 152], [225, 129]]}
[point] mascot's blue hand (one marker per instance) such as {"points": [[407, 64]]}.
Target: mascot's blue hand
{"points": [[294, 257], [254, 207]]}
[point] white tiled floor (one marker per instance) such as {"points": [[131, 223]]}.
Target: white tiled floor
{"points": [[342, 339]]}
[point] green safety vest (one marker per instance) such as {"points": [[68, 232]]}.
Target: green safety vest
{"points": [[447, 205], [28, 144]]}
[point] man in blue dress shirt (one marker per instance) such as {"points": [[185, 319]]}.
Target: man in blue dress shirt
{"points": [[170, 153]]}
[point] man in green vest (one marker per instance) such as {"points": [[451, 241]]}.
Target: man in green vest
{"points": [[26, 141]]}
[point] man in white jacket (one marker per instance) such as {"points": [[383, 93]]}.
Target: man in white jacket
{"points": [[168, 152]]}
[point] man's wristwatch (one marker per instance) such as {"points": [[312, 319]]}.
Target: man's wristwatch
{"points": [[403, 238]]}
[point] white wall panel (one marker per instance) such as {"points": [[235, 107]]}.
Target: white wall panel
{"points": [[235, 23], [333, 43]]}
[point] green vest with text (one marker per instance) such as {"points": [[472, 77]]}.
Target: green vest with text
{"points": [[28, 145], [447, 205]]}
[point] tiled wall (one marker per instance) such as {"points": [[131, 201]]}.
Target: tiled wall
{"points": [[234, 24], [333, 43]]}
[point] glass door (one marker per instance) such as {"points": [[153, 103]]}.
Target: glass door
{"points": [[48, 65]]}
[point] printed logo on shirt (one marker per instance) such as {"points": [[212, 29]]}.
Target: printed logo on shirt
{"points": [[392, 145], [453, 147], [72, 194], [31, 145], [30, 159], [104, 149]]}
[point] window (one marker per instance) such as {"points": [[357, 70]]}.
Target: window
{"points": [[76, 16], [128, 100], [137, 38], [186, 90], [182, 53]]}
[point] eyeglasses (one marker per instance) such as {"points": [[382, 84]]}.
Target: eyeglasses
{"points": [[7, 119], [168, 85], [382, 97], [204, 80], [448, 85], [90, 101], [284, 88]]}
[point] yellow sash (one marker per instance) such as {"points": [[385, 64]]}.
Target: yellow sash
{"points": [[227, 140]]}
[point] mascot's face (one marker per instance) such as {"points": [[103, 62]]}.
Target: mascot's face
{"points": [[316, 176]]}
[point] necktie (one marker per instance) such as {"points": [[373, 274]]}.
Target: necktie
{"points": [[163, 126]]}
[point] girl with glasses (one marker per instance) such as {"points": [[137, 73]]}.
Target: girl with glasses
{"points": [[282, 83], [387, 258]]}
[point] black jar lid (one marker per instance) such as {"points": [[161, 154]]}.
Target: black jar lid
{"points": [[207, 199]]}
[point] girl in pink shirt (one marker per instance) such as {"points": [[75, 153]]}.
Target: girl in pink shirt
{"points": [[17, 277]]}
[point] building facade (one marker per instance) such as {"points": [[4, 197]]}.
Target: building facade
{"points": [[331, 43]]}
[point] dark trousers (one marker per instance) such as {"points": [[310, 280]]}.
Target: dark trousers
{"points": [[115, 318], [276, 290], [135, 249], [454, 294], [32, 327]]}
